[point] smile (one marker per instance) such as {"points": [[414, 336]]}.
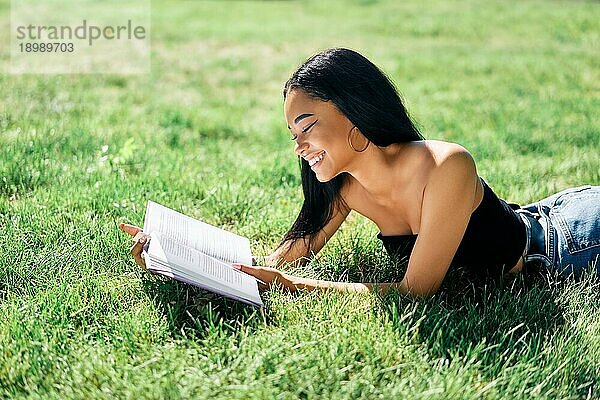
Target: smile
{"points": [[316, 159]]}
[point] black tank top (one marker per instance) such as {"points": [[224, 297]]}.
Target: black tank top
{"points": [[493, 242]]}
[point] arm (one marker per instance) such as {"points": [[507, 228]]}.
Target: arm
{"points": [[297, 283], [298, 251], [447, 206], [272, 276]]}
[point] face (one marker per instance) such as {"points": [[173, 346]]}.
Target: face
{"points": [[321, 133]]}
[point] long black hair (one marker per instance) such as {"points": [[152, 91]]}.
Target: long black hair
{"points": [[369, 99]]}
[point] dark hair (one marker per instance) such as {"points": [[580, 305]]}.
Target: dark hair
{"points": [[368, 98]]}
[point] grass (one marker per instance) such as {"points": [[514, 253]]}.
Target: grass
{"points": [[515, 83]]}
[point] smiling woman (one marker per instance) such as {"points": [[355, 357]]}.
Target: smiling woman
{"points": [[359, 150]]}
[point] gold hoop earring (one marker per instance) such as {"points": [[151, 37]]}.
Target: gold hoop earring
{"points": [[351, 145]]}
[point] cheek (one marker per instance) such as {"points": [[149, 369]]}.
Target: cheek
{"points": [[337, 147], [334, 163], [342, 153]]}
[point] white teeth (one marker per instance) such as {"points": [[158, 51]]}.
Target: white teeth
{"points": [[316, 159]]}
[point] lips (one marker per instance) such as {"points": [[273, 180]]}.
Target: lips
{"points": [[315, 158], [316, 153]]}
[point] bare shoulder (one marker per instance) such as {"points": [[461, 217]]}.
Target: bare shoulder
{"points": [[455, 160], [441, 151], [417, 164], [433, 156], [452, 158]]}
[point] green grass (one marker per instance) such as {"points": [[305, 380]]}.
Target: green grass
{"points": [[516, 83]]}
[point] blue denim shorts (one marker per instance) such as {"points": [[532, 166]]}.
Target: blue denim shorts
{"points": [[563, 231]]}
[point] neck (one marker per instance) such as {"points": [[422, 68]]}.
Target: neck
{"points": [[377, 167]]}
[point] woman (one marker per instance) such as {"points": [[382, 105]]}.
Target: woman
{"points": [[360, 151]]}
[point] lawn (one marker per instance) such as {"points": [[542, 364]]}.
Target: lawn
{"points": [[516, 83]]}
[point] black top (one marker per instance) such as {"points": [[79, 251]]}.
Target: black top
{"points": [[494, 240]]}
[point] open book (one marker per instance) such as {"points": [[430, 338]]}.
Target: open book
{"points": [[197, 253]]}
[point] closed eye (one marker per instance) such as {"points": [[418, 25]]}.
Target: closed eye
{"points": [[309, 126], [305, 130]]}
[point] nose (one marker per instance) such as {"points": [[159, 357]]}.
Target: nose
{"points": [[300, 147]]}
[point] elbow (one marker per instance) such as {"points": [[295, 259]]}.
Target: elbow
{"points": [[420, 291], [426, 294], [275, 261], [422, 295]]}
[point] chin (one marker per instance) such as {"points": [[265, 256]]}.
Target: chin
{"points": [[324, 178]]}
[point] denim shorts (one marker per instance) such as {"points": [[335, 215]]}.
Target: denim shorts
{"points": [[563, 231]]}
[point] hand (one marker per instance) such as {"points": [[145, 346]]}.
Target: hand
{"points": [[270, 276], [139, 240]]}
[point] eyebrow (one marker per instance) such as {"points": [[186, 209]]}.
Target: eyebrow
{"points": [[300, 118]]}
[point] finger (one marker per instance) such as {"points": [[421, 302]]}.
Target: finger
{"points": [[141, 237], [137, 257], [138, 245], [136, 249], [254, 271], [249, 269], [140, 261], [262, 287], [136, 253], [244, 268], [130, 229]]}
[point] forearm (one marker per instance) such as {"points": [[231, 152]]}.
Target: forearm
{"points": [[297, 283], [294, 283]]}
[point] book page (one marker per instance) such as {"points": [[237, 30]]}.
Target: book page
{"points": [[205, 285], [208, 239], [196, 267]]}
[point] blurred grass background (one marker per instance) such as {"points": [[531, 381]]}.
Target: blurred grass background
{"points": [[516, 83]]}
